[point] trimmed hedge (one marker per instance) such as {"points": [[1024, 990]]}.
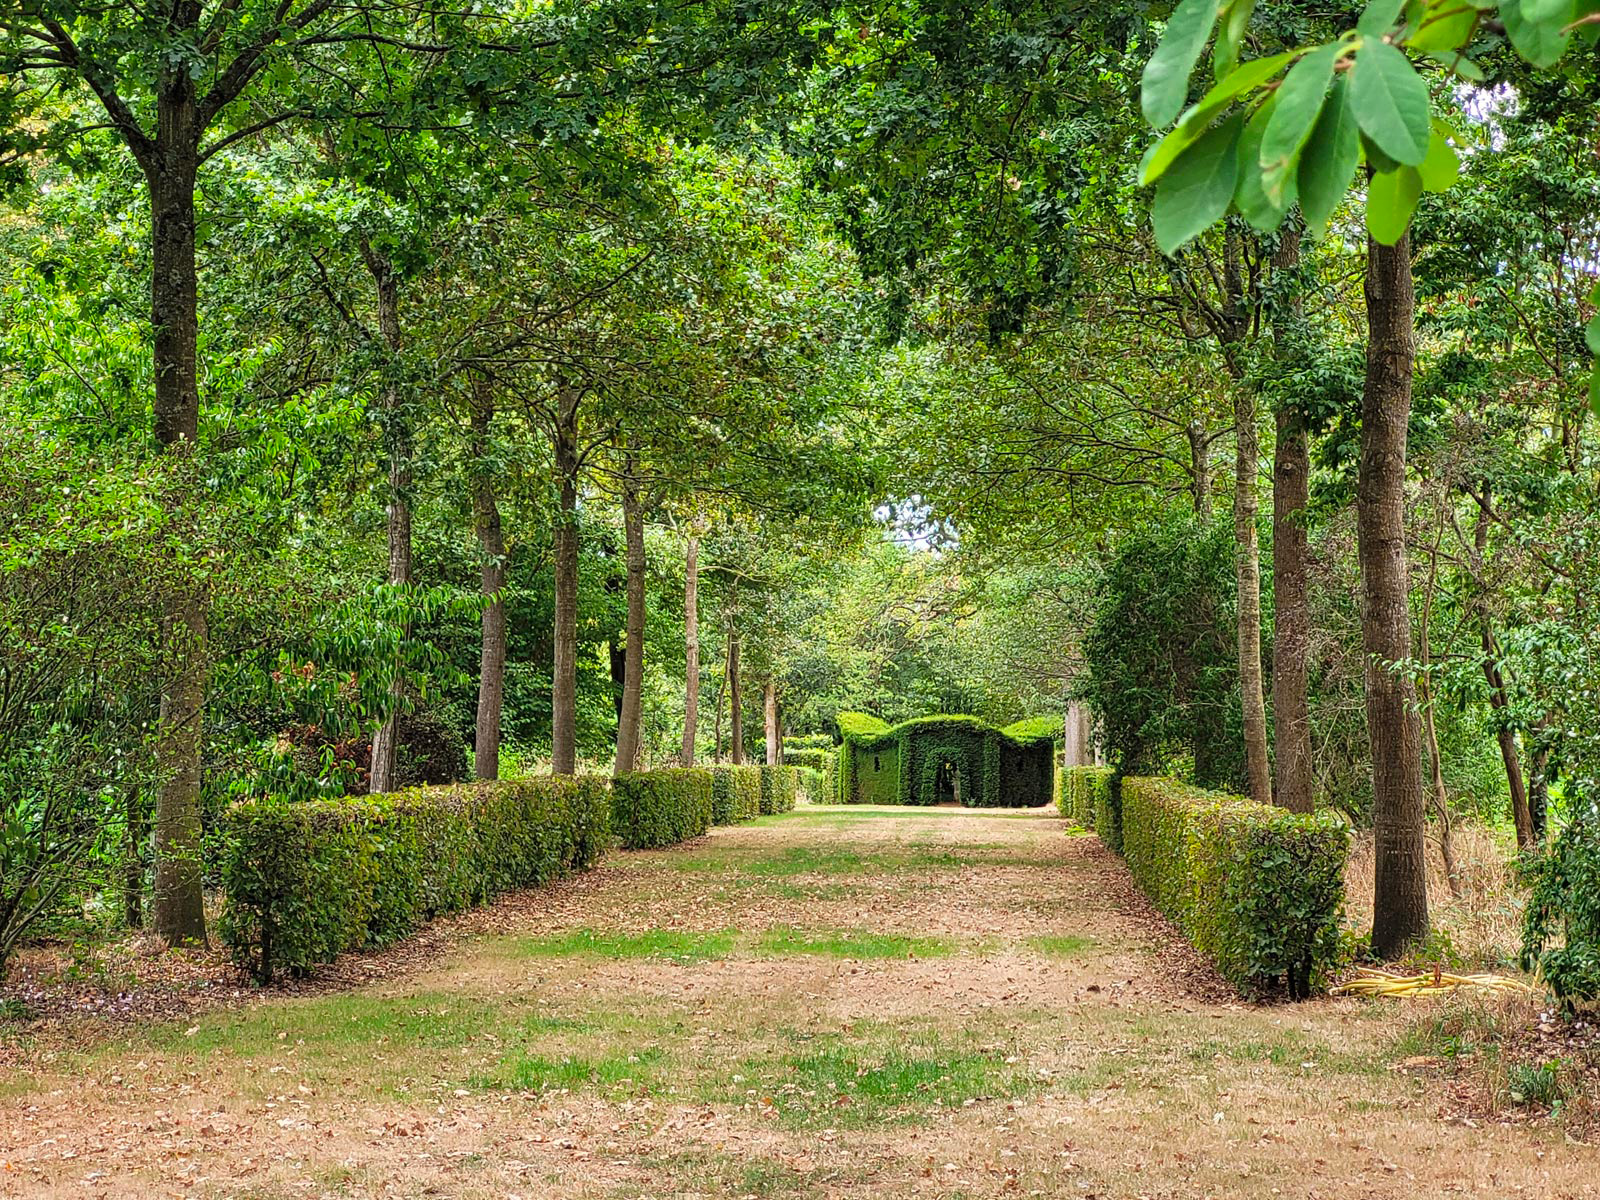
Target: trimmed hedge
{"points": [[779, 786], [880, 764], [306, 881], [735, 794], [1083, 793], [807, 756], [650, 809], [1259, 890]]}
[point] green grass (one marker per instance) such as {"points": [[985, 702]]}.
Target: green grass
{"points": [[1063, 945], [852, 944], [672, 944], [878, 1074], [636, 1072]]}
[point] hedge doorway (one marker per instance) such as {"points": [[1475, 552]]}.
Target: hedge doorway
{"points": [[948, 785]]}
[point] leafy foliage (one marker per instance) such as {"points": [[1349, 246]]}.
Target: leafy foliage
{"points": [[1561, 924], [306, 881], [651, 809], [735, 794], [928, 759], [1258, 890]]}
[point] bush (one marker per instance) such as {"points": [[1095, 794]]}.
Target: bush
{"points": [[807, 756], [650, 809], [1082, 793], [306, 881], [735, 794], [779, 786], [904, 764], [1561, 925], [428, 750], [1259, 890]]}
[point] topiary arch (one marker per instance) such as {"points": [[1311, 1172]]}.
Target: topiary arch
{"points": [[902, 764]]}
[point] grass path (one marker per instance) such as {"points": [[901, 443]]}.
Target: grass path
{"points": [[829, 1003]]}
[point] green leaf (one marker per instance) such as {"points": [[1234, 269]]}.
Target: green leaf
{"points": [[1262, 207], [1194, 123], [1535, 28], [1196, 192], [1391, 199], [1591, 335], [1390, 102], [1299, 101], [1166, 76], [1235, 20], [1442, 167], [1446, 26], [1328, 162], [1594, 391], [1379, 17]]}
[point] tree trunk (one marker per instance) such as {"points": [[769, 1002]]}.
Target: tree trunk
{"points": [[1247, 568], [564, 677], [384, 742], [1400, 900], [179, 904], [770, 713], [1199, 470], [633, 656], [735, 701], [492, 545], [1500, 705], [1291, 626], [1440, 798], [133, 865], [691, 648]]}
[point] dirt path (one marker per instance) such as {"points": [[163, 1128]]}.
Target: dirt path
{"points": [[829, 1003]]}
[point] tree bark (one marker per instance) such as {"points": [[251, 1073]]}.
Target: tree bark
{"points": [[1199, 470], [171, 166], [1247, 568], [633, 654], [1291, 626], [1500, 706], [564, 676], [1440, 798], [770, 713], [691, 648], [1400, 901], [385, 741], [492, 545], [735, 701]]}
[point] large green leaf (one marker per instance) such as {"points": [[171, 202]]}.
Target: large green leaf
{"points": [[1299, 101], [1390, 102], [1591, 335], [1328, 162], [1235, 20], [1197, 190], [1194, 122], [1391, 199], [1446, 26], [1379, 17], [1256, 203], [1536, 28], [1442, 167], [1166, 76]]}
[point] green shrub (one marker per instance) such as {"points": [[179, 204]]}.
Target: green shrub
{"points": [[779, 786], [650, 809], [1105, 796], [1259, 890], [807, 756], [1561, 924], [735, 794], [1083, 792], [903, 764], [305, 881]]}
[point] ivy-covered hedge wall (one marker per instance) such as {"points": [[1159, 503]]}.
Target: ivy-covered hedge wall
{"points": [[661, 808], [303, 882], [982, 765], [1259, 890], [735, 794], [779, 788]]}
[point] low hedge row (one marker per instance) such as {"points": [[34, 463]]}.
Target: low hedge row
{"points": [[808, 756], [735, 794], [779, 788], [305, 881], [661, 808], [1259, 890], [1082, 793]]}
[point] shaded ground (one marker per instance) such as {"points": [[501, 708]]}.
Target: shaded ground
{"points": [[828, 1003]]}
